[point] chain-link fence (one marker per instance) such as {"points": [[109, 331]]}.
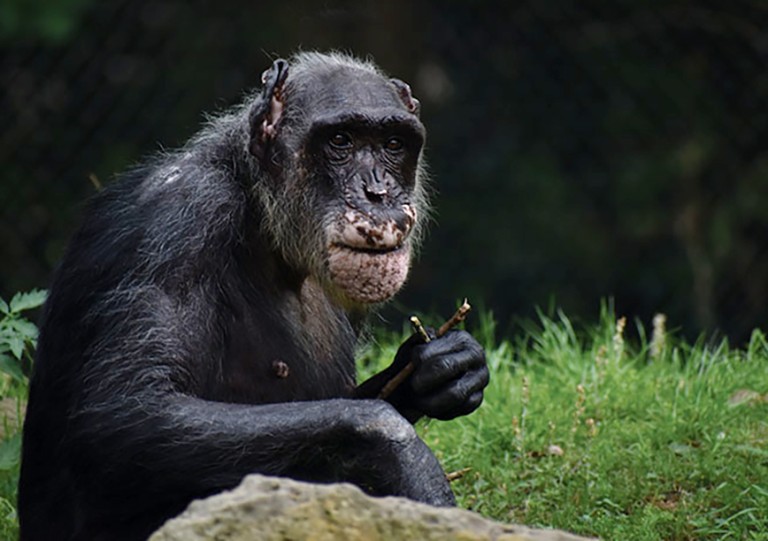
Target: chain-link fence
{"points": [[582, 150]]}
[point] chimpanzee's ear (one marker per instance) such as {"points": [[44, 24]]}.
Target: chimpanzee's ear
{"points": [[268, 109], [404, 91]]}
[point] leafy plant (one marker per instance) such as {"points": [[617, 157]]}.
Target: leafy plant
{"points": [[18, 337]]}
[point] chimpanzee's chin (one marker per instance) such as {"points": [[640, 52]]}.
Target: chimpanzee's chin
{"points": [[369, 277]]}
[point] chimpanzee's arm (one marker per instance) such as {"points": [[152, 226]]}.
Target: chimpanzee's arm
{"points": [[179, 447], [448, 380], [137, 427]]}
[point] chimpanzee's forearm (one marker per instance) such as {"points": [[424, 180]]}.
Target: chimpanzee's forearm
{"points": [[373, 387], [199, 447]]}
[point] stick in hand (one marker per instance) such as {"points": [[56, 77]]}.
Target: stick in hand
{"points": [[408, 369]]}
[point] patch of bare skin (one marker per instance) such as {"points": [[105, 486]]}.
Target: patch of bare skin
{"points": [[357, 231], [171, 176], [276, 107], [163, 177], [369, 261], [369, 277]]}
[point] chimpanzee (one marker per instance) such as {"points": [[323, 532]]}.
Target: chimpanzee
{"points": [[203, 322]]}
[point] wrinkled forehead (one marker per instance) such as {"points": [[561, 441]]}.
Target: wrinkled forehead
{"points": [[342, 90]]}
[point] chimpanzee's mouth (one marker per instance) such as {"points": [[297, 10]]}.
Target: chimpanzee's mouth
{"points": [[369, 250], [359, 233]]}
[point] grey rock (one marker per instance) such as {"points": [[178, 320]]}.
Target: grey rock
{"points": [[275, 509]]}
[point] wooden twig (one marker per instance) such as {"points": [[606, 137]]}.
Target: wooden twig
{"points": [[458, 317], [408, 369], [419, 328], [458, 474], [95, 181], [395, 382]]}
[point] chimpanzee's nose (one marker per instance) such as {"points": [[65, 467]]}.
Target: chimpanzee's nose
{"points": [[375, 186]]}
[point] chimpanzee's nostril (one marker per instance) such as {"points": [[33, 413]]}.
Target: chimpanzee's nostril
{"points": [[375, 196]]}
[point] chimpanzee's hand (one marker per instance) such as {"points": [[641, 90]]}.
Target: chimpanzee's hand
{"points": [[448, 380]]}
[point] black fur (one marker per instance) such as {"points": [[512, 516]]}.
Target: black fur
{"points": [[182, 348]]}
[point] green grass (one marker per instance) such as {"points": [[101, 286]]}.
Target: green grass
{"points": [[9, 477], [583, 431]]}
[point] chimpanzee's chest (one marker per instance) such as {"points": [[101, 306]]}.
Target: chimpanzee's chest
{"points": [[294, 352]]}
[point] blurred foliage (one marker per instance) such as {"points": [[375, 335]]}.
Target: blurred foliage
{"points": [[18, 338], [51, 21], [580, 149]]}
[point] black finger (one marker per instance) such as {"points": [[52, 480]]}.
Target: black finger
{"points": [[439, 365], [455, 398]]}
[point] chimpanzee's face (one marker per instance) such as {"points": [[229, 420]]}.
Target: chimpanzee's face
{"points": [[370, 159], [355, 146]]}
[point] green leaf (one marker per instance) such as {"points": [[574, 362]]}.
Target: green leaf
{"points": [[16, 344], [23, 327], [10, 452], [4, 307], [27, 301], [5, 334], [10, 366]]}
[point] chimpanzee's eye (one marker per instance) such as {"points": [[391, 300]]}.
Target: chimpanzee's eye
{"points": [[394, 144], [340, 140]]}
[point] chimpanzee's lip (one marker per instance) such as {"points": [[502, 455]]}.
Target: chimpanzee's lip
{"points": [[370, 250]]}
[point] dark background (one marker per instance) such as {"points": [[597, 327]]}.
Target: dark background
{"points": [[581, 149]]}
